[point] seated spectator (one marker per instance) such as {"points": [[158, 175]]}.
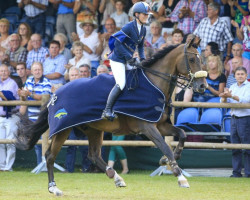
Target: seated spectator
{"points": [[22, 73], [4, 32], [8, 120], [35, 86], [155, 39], [85, 71], [78, 60], [243, 34], [177, 38], [212, 48], [90, 40], [38, 53], [216, 80], [25, 32], [237, 51], [62, 39], [107, 7], [102, 69], [16, 53], [53, 66], [120, 17]]}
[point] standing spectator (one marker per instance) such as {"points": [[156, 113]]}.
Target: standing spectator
{"points": [[237, 51], [35, 12], [188, 14], [155, 39], [21, 71], [38, 53], [62, 39], [120, 17], [16, 53], [35, 86], [240, 129], [85, 9], [66, 21], [212, 28], [25, 32], [90, 39], [85, 71], [4, 32], [216, 80], [53, 66], [8, 122], [78, 60]]}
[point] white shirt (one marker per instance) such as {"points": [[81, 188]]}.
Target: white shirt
{"points": [[82, 61]]}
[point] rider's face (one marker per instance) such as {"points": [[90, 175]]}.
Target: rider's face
{"points": [[143, 17]]}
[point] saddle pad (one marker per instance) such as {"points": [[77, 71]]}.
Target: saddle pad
{"points": [[83, 100]]}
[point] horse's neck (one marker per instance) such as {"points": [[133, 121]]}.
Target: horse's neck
{"points": [[167, 66]]}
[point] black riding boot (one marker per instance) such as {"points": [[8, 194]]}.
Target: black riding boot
{"points": [[108, 112]]}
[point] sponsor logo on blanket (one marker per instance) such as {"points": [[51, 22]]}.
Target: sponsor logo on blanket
{"points": [[61, 113]]}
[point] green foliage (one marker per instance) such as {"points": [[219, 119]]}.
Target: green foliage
{"points": [[23, 185]]}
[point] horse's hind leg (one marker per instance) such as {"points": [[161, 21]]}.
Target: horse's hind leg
{"points": [[54, 148], [95, 138], [167, 129]]}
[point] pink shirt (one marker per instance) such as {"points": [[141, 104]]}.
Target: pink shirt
{"points": [[246, 64]]}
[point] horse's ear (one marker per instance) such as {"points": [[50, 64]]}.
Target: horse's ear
{"points": [[198, 42], [191, 42]]}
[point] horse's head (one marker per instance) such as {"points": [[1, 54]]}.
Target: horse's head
{"points": [[192, 62]]}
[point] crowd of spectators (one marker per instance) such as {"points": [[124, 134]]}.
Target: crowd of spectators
{"points": [[79, 47]]}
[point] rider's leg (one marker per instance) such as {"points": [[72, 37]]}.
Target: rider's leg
{"points": [[118, 70]]}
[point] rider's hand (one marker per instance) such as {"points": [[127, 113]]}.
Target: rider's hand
{"points": [[133, 62]]}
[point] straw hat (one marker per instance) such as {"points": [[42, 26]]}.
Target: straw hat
{"points": [[88, 21]]}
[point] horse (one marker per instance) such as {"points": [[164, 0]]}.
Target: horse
{"points": [[160, 69]]}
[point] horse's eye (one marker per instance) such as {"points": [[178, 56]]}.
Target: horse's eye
{"points": [[191, 60]]}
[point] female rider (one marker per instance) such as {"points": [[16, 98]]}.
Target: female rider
{"points": [[122, 45]]}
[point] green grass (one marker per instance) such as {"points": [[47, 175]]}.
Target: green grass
{"points": [[20, 185]]}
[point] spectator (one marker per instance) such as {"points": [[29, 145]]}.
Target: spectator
{"points": [[4, 32], [78, 60], [35, 12], [107, 7], [212, 48], [102, 69], [53, 66], [62, 39], [243, 34], [65, 21], [188, 14], [38, 53], [35, 86], [177, 38], [22, 73], [155, 39], [103, 47], [237, 51], [91, 41], [216, 80], [212, 28], [25, 32], [85, 10], [16, 53], [240, 129], [85, 71], [120, 17], [8, 122]]}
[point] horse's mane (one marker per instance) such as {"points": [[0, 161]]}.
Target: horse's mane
{"points": [[158, 55]]}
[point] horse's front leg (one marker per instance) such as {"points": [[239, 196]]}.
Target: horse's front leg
{"points": [[54, 148], [154, 135], [167, 129]]}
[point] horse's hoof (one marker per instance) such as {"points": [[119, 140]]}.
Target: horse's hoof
{"points": [[182, 181], [55, 191], [120, 183]]}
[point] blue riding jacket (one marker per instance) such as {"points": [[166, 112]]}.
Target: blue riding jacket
{"points": [[124, 42]]}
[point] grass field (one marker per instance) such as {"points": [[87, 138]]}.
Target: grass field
{"points": [[19, 185]]}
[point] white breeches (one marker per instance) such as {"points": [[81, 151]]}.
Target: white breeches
{"points": [[119, 70], [8, 129]]}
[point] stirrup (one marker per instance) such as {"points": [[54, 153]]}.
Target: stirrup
{"points": [[108, 115]]}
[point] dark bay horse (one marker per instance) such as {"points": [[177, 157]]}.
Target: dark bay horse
{"points": [[160, 69]]}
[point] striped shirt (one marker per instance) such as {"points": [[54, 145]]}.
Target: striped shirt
{"points": [[189, 24], [40, 88], [36, 55], [217, 32], [32, 11]]}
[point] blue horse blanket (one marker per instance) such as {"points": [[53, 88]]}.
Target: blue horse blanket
{"points": [[83, 100]]}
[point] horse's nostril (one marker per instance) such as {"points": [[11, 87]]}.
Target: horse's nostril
{"points": [[202, 86]]}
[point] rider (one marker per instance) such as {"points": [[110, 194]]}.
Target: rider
{"points": [[122, 45]]}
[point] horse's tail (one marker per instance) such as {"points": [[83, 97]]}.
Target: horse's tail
{"points": [[30, 132]]}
